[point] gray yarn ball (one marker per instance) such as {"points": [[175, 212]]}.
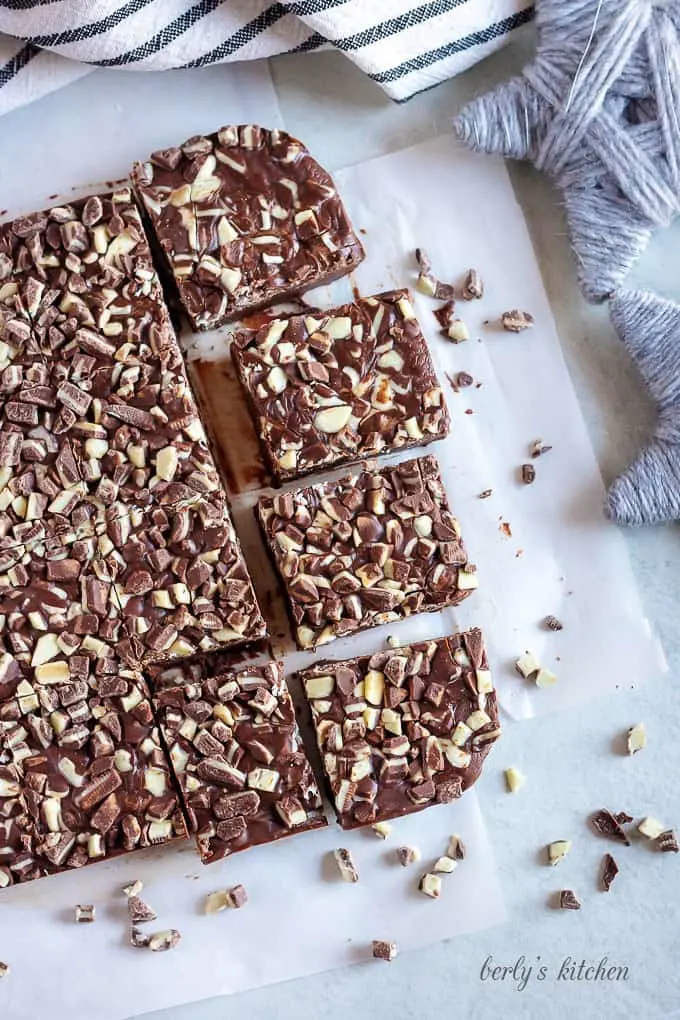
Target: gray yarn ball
{"points": [[599, 110]]}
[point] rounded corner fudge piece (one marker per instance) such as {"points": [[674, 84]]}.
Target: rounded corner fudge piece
{"points": [[244, 217]]}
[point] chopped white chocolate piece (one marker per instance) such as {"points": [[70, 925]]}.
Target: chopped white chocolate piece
{"points": [[216, 901], [637, 738], [558, 850], [514, 779], [407, 855], [527, 665], [4, 969], [544, 678], [134, 888], [456, 847], [445, 865], [651, 827], [382, 829], [431, 885], [85, 913], [345, 863]]}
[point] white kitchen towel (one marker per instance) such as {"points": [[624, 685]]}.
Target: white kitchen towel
{"points": [[403, 46]]}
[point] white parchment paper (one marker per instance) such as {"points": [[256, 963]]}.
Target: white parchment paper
{"points": [[300, 918]]}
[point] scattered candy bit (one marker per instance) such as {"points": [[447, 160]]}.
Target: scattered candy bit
{"points": [[4, 969], [458, 332], [568, 900], [84, 913], [237, 896], [514, 780], [637, 738], [552, 623], [164, 940], [505, 529], [516, 321], [345, 863], [651, 828], [382, 829], [485, 494], [607, 824], [530, 668], [528, 472], [456, 848], [140, 911], [461, 380], [216, 901], [428, 283], [451, 327], [445, 865], [558, 850], [667, 842], [431, 885], [134, 888], [392, 641], [384, 950], [610, 870], [407, 855], [138, 939], [545, 678], [537, 448], [622, 818], [473, 286]]}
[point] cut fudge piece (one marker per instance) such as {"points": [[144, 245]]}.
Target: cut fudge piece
{"points": [[368, 549], [237, 753], [83, 775], [405, 728], [94, 398], [244, 217], [328, 389]]}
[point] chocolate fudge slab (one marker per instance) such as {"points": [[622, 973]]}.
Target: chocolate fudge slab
{"points": [[181, 582], [94, 398], [237, 753], [404, 728], [244, 217], [85, 774], [331, 388], [370, 548]]}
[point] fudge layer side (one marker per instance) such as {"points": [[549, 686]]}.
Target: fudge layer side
{"points": [[330, 388], [237, 753], [244, 217], [368, 549], [405, 728]]}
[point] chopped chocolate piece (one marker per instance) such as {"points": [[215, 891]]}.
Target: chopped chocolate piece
{"points": [[428, 283], [140, 911], [387, 756], [85, 913], [552, 623], [667, 842], [516, 321], [610, 870], [607, 824], [445, 865], [382, 829], [558, 850], [89, 774], [384, 950], [217, 901], [637, 738], [4, 969], [527, 665], [537, 448], [462, 380], [568, 900], [622, 818], [514, 779], [331, 388], [528, 472], [431, 885], [164, 940], [451, 327], [473, 286], [346, 866], [456, 848], [244, 217], [138, 939], [243, 773], [367, 549], [237, 897], [485, 494], [651, 828], [133, 888], [407, 855]]}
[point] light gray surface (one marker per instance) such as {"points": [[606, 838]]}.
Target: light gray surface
{"points": [[572, 761]]}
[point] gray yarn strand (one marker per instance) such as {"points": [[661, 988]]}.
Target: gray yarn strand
{"points": [[605, 126], [648, 492]]}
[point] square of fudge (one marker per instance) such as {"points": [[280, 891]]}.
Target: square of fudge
{"points": [[237, 753], [333, 387], [404, 728], [83, 773], [368, 549], [243, 218], [95, 402]]}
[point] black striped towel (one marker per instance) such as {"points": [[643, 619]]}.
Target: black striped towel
{"points": [[403, 46]]}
